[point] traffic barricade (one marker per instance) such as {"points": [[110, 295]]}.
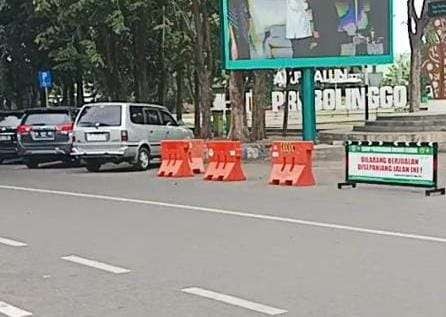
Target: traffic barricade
{"points": [[197, 154], [175, 156], [225, 161], [292, 164]]}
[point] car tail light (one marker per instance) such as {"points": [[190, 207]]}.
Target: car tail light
{"points": [[124, 136], [24, 129], [65, 128]]}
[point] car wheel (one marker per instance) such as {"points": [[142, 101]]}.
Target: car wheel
{"points": [[72, 162], [143, 161], [31, 164], [93, 167]]}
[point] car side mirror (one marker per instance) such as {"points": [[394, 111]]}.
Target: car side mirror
{"points": [[181, 123]]}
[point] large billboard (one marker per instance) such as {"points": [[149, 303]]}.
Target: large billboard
{"points": [[267, 34]]}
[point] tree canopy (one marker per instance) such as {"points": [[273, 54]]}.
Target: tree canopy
{"points": [[127, 50]]}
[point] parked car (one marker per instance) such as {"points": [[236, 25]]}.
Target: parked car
{"points": [[9, 121], [123, 132], [45, 135]]}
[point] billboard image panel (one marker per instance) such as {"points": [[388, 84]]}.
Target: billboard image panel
{"points": [[306, 33]]}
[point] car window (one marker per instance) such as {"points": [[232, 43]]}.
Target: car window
{"points": [[168, 119], [137, 115], [105, 116], [152, 116], [47, 118], [10, 121]]}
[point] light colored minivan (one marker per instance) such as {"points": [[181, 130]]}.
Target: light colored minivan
{"points": [[123, 132]]}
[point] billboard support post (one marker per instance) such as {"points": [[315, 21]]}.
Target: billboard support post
{"points": [[309, 106], [367, 103]]}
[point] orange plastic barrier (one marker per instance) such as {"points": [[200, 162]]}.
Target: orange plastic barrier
{"points": [[292, 164], [197, 153], [225, 162], [175, 157]]}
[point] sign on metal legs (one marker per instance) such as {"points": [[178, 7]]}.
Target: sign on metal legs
{"points": [[397, 164]]}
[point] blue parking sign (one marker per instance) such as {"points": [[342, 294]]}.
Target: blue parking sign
{"points": [[46, 79]]}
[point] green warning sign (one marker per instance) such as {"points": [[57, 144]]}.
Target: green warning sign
{"points": [[437, 9]]}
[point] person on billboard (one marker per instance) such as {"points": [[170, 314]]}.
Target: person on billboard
{"points": [[298, 27], [240, 24], [379, 24], [326, 22]]}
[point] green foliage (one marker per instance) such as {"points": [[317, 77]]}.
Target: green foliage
{"points": [[122, 49], [398, 73]]}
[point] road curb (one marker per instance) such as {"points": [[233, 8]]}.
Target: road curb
{"points": [[262, 152]]}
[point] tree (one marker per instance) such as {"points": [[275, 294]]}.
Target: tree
{"points": [[203, 63], [398, 73], [120, 50], [416, 26], [20, 58]]}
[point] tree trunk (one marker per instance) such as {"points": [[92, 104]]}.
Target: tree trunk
{"points": [[416, 25], [179, 103], [35, 96], [204, 74], [286, 106], [286, 112], [205, 106], [8, 104], [140, 67], [197, 111], [260, 103], [116, 87], [64, 95], [162, 85], [415, 76], [42, 98], [239, 131], [19, 99], [71, 94], [162, 88], [79, 93]]}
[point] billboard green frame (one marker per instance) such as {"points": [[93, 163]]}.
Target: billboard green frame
{"points": [[318, 62]]}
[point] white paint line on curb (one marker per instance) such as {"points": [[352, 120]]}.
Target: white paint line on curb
{"points": [[231, 300], [331, 226], [12, 243], [12, 311], [95, 264]]}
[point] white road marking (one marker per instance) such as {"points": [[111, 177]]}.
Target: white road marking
{"points": [[95, 264], [268, 310], [12, 311], [12, 243], [331, 226]]}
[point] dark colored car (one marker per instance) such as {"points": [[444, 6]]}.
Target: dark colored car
{"points": [[9, 121], [45, 135]]}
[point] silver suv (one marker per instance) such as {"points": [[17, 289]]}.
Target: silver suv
{"points": [[123, 132]]}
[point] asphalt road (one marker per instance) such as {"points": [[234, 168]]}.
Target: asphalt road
{"points": [[123, 243]]}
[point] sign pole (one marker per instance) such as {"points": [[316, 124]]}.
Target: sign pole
{"points": [[46, 97], [309, 106]]}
